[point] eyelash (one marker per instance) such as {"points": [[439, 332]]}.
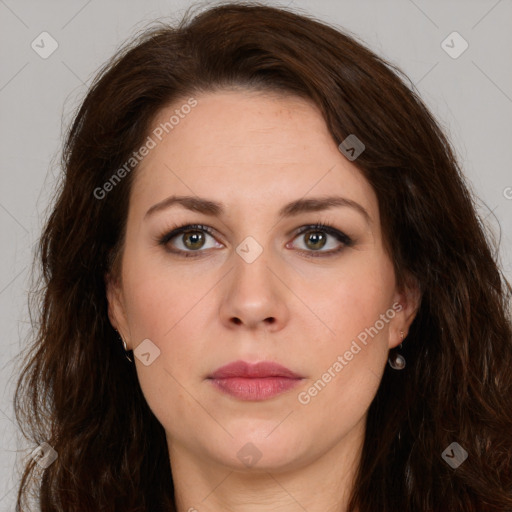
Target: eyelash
{"points": [[346, 241]]}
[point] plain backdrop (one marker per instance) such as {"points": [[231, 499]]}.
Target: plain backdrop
{"points": [[470, 94]]}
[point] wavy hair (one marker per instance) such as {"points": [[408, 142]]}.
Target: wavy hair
{"points": [[79, 394]]}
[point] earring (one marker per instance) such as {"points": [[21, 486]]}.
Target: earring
{"points": [[397, 360], [126, 351]]}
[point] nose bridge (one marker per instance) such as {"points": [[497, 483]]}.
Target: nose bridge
{"points": [[252, 260]]}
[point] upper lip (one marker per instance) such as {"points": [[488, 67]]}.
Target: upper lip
{"points": [[253, 370]]}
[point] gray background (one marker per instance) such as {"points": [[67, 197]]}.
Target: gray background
{"points": [[470, 95]]}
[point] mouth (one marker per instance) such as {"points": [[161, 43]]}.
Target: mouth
{"points": [[254, 382]]}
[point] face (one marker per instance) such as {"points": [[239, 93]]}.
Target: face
{"points": [[256, 282]]}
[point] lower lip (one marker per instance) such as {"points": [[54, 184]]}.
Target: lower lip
{"points": [[254, 388]]}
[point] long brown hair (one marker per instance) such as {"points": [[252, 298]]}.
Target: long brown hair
{"points": [[78, 393]]}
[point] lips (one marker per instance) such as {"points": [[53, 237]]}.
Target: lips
{"points": [[255, 370], [259, 381]]}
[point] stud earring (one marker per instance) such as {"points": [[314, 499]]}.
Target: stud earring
{"points": [[397, 360]]}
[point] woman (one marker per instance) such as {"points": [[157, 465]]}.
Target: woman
{"points": [[275, 230]]}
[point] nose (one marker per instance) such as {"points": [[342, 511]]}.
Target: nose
{"points": [[253, 294]]}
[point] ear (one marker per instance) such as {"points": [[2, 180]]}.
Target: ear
{"points": [[406, 303], [116, 307]]}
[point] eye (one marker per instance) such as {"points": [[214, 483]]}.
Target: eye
{"points": [[194, 236], [316, 237]]}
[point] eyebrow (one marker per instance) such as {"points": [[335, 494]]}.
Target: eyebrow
{"points": [[216, 209]]}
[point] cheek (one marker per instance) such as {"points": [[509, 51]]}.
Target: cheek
{"points": [[158, 296], [166, 307], [356, 306], [349, 364], [162, 309], [351, 297]]}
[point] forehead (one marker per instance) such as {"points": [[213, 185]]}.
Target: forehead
{"points": [[246, 147]]}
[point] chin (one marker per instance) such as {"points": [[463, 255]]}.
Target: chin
{"points": [[259, 451]]}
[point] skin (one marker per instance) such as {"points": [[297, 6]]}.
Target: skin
{"points": [[255, 152]]}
